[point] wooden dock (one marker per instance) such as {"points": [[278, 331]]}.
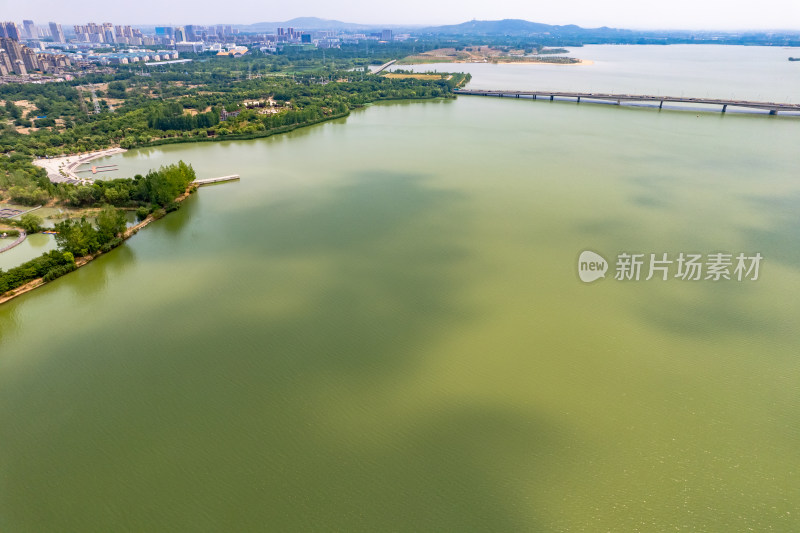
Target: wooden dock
{"points": [[221, 179]]}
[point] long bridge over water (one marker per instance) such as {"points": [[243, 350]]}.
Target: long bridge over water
{"points": [[618, 99]]}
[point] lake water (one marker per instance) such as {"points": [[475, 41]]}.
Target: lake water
{"points": [[755, 73], [381, 327]]}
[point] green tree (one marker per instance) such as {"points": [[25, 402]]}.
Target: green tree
{"points": [[77, 237], [31, 223], [167, 183], [110, 223]]}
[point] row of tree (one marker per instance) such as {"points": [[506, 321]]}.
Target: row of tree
{"points": [[159, 187], [78, 238], [48, 264], [170, 116], [81, 237], [75, 238]]}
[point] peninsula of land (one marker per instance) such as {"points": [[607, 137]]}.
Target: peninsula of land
{"points": [[493, 54]]}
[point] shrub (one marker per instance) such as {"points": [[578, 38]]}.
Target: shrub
{"points": [[57, 272], [142, 213]]}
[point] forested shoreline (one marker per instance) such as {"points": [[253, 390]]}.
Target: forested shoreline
{"points": [[157, 193], [208, 100]]}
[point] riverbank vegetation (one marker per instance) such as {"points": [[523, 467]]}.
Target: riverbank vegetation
{"points": [[81, 237], [212, 98], [158, 188], [155, 194], [49, 265]]}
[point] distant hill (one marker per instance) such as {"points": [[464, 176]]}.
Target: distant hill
{"points": [[521, 28], [312, 23], [545, 34], [510, 27]]}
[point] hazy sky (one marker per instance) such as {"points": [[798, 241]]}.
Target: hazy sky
{"points": [[672, 14]]}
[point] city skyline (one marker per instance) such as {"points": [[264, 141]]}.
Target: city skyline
{"points": [[629, 14]]}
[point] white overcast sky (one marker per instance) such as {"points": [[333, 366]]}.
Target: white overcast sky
{"points": [[635, 14]]}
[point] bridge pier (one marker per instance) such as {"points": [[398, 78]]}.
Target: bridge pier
{"points": [[551, 97], [517, 95], [661, 104], [724, 107], [773, 111], [579, 99], [534, 97]]}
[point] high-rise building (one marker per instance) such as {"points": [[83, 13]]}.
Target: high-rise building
{"points": [[29, 59], [13, 48], [56, 33], [386, 35], [30, 29], [21, 57], [9, 30], [19, 67], [6, 67], [191, 34], [51, 62], [180, 35], [107, 31], [124, 34]]}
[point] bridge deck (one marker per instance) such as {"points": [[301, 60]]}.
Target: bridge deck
{"points": [[773, 107], [385, 66]]}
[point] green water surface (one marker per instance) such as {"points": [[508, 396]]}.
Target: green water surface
{"points": [[381, 327]]}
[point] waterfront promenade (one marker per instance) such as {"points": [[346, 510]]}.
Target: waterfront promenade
{"points": [[22, 236]]}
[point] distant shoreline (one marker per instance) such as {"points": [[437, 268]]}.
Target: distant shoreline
{"points": [[445, 60], [585, 62]]}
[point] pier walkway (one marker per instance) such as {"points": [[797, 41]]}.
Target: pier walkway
{"points": [[209, 181], [385, 66], [22, 236]]}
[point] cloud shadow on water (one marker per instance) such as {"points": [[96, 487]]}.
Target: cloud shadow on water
{"points": [[225, 417], [779, 241]]}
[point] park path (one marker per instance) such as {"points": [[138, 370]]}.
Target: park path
{"points": [[21, 238]]}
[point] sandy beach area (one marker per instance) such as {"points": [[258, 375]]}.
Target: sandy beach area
{"points": [[62, 169]]}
